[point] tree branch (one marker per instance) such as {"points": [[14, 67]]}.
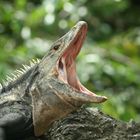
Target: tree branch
{"points": [[91, 124]]}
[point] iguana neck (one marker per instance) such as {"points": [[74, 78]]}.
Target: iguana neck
{"points": [[19, 82]]}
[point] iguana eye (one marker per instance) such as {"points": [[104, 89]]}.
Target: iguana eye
{"points": [[56, 47]]}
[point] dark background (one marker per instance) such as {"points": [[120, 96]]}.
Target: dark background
{"points": [[109, 63]]}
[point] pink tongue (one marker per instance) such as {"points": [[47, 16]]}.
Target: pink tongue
{"points": [[72, 77], [67, 69]]}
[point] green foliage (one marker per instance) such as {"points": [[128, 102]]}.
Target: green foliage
{"points": [[110, 54]]}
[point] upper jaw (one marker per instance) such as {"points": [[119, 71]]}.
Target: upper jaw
{"points": [[66, 61]]}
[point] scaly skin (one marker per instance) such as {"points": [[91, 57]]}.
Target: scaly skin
{"points": [[48, 91]]}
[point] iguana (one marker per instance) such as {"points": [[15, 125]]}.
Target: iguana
{"points": [[46, 91]]}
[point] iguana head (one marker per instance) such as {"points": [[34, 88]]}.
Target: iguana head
{"points": [[57, 90], [59, 65]]}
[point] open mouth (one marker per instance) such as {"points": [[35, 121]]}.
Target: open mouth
{"points": [[67, 67]]}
